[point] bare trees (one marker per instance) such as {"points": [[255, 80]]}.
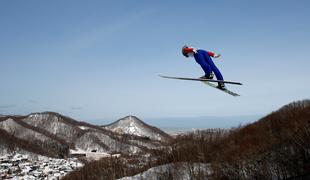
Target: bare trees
{"points": [[275, 147]]}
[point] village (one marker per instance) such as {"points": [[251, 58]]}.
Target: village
{"points": [[22, 166]]}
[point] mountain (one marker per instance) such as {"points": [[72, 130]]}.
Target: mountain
{"points": [[53, 134], [14, 127], [276, 146], [134, 126]]}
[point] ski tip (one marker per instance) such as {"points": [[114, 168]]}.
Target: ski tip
{"points": [[162, 76], [236, 83]]}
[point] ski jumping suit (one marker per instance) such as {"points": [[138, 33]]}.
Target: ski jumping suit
{"points": [[203, 58]]}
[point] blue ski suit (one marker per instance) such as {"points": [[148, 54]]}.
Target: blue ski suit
{"points": [[203, 58]]}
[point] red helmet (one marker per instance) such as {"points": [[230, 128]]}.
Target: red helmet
{"points": [[186, 50]]}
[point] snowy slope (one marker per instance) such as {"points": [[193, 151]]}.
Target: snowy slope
{"points": [[24, 133], [54, 124], [15, 133], [184, 171], [134, 126]]}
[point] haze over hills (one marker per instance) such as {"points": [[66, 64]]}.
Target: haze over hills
{"points": [[203, 122]]}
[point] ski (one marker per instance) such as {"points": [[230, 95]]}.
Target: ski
{"points": [[224, 90], [199, 79], [208, 82]]}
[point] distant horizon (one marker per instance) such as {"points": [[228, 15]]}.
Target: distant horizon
{"points": [[200, 122], [178, 123], [175, 124]]}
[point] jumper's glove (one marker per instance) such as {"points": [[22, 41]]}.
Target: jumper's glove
{"points": [[217, 55]]}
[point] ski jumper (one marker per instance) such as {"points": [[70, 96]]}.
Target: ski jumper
{"points": [[203, 58]]}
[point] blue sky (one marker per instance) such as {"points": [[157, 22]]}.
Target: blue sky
{"points": [[101, 59]]}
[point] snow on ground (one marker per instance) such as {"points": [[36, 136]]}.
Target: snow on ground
{"points": [[83, 127], [92, 155], [133, 128], [77, 151], [22, 166], [132, 125], [184, 171]]}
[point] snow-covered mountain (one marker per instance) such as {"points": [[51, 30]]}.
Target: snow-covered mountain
{"points": [[52, 133], [13, 129], [134, 126]]}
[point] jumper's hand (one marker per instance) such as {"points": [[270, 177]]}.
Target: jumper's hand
{"points": [[217, 55]]}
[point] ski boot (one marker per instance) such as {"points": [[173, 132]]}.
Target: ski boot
{"points": [[210, 76], [221, 86]]}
